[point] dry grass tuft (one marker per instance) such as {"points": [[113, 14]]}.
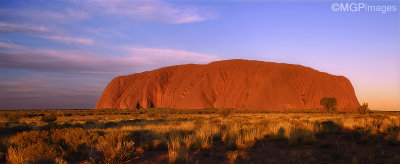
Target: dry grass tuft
{"points": [[115, 148], [232, 156], [279, 136], [178, 151]]}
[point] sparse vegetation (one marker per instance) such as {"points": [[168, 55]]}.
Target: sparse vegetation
{"points": [[363, 108], [330, 128], [178, 150], [301, 136], [49, 118], [115, 146], [13, 116], [189, 136]]}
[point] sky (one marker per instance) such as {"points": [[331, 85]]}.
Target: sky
{"points": [[62, 54]]}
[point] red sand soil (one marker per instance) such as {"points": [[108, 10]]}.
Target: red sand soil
{"points": [[240, 84]]}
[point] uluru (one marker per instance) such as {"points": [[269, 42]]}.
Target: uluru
{"points": [[239, 84]]}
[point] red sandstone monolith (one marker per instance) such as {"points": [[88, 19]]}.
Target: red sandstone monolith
{"points": [[240, 84]]}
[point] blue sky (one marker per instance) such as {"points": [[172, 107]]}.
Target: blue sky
{"points": [[61, 54]]}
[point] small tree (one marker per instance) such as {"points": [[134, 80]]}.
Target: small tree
{"points": [[329, 103], [363, 108]]}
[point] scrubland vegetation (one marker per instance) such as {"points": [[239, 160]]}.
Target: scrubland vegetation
{"points": [[198, 136]]}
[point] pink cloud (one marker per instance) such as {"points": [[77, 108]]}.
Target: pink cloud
{"points": [[70, 40], [136, 59], [36, 15], [154, 56]]}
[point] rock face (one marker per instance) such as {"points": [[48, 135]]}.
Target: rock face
{"points": [[240, 84]]}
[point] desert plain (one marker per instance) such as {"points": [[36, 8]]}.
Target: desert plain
{"points": [[163, 135]]}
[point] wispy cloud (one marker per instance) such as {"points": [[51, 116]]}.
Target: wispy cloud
{"points": [[70, 40], [154, 56], [19, 28], [81, 73], [61, 16], [36, 91], [10, 45], [43, 15], [86, 61], [51, 60], [41, 31], [146, 10], [28, 84], [151, 10]]}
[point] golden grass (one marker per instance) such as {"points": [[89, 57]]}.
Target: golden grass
{"points": [[178, 150], [116, 147], [117, 135]]}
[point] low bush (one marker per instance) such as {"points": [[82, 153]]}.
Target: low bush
{"points": [[50, 118], [75, 142], [363, 108], [29, 147], [116, 148], [13, 116], [8, 131], [91, 121], [60, 143], [330, 128]]}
